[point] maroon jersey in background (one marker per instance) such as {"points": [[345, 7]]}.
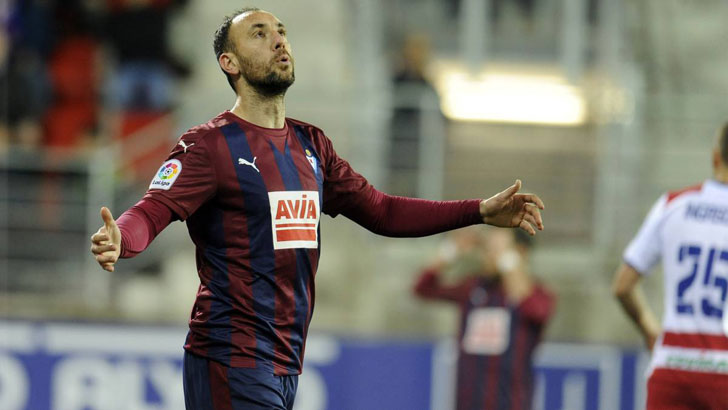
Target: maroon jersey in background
{"points": [[252, 199], [496, 340]]}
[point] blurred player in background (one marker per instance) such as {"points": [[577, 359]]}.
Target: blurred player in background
{"points": [[251, 185], [503, 312], [687, 230]]}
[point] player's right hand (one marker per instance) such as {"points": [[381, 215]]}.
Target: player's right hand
{"points": [[106, 242]]}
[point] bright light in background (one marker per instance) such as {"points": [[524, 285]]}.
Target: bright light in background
{"points": [[500, 96]]}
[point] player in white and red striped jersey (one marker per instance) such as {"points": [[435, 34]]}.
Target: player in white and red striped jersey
{"points": [[687, 230]]}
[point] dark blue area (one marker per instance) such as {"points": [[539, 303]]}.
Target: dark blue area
{"points": [[292, 182], [262, 257], [629, 376], [380, 375], [364, 375], [555, 378]]}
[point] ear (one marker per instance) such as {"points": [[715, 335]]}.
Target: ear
{"points": [[229, 63]]}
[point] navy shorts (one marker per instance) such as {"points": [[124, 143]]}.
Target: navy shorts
{"points": [[210, 385]]}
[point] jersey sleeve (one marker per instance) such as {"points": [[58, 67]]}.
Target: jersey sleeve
{"points": [[140, 224], [644, 251], [343, 186], [187, 178]]}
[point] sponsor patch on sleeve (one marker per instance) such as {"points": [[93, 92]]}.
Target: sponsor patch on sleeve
{"points": [[167, 174]]}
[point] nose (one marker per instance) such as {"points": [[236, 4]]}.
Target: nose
{"points": [[279, 41]]}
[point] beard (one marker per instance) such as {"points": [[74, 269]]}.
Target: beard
{"points": [[265, 79]]}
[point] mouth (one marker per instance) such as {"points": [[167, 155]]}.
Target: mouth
{"points": [[283, 59]]}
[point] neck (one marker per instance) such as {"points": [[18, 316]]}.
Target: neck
{"points": [[721, 175], [266, 112]]}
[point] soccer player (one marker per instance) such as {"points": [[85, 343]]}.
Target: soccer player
{"points": [[503, 312], [687, 230], [251, 185]]}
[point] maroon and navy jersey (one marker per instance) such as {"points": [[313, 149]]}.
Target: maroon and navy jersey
{"points": [[497, 340], [252, 199]]}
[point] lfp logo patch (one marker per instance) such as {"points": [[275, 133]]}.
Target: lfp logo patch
{"points": [[295, 218], [166, 175]]}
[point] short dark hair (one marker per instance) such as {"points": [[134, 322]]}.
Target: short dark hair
{"points": [[221, 42], [723, 143]]}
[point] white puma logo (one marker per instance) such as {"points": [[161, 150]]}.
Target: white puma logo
{"points": [[252, 164], [183, 145]]}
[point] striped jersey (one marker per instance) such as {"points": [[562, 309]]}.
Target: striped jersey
{"points": [[252, 199], [687, 231], [497, 340]]}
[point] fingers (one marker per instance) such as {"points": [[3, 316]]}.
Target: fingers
{"points": [[99, 249], [107, 261], [107, 217], [511, 190], [100, 237], [533, 215], [105, 253], [531, 218], [107, 258], [527, 227], [532, 221], [533, 198]]}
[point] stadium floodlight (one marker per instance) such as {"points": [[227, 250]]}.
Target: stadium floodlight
{"points": [[510, 97]]}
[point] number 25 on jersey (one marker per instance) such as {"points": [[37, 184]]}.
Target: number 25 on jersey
{"points": [[703, 290]]}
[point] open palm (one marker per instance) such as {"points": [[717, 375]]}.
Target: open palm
{"points": [[510, 209]]}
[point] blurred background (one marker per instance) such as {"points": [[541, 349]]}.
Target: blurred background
{"points": [[598, 106]]}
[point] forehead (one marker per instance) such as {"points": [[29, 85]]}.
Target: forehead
{"points": [[252, 19]]}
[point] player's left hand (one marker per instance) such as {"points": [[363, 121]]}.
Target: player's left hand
{"points": [[509, 209]]}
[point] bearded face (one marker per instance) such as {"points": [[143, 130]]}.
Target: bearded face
{"points": [[270, 78]]}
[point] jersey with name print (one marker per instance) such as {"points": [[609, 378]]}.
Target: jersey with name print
{"points": [[252, 199], [687, 231]]}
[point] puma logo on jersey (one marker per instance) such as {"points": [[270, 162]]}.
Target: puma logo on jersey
{"points": [[182, 144], [252, 164], [294, 218]]}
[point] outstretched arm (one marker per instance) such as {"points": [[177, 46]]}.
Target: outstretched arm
{"points": [[349, 193], [410, 217], [627, 292]]}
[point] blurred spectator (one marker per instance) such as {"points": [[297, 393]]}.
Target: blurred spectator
{"points": [[137, 33], [75, 67], [503, 312], [412, 92], [141, 88], [24, 84]]}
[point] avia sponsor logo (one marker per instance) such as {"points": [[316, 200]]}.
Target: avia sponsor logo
{"points": [[166, 175], [295, 218]]}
